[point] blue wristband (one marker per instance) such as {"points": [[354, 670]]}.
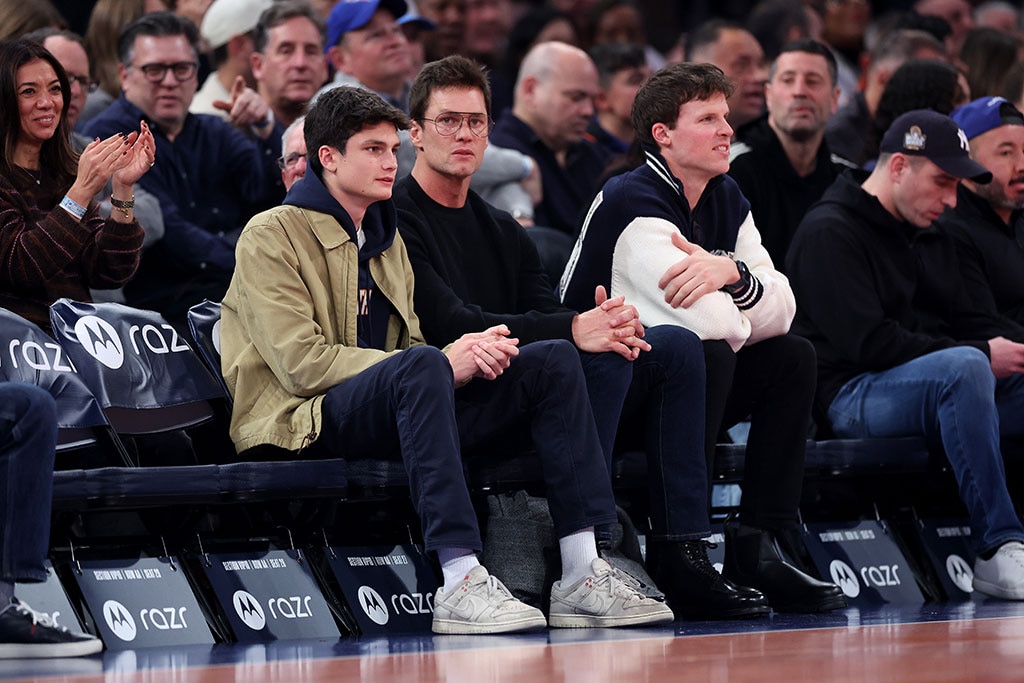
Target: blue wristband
{"points": [[72, 207]]}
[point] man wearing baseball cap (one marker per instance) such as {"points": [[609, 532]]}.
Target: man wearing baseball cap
{"points": [[900, 350], [987, 223], [227, 28], [368, 48]]}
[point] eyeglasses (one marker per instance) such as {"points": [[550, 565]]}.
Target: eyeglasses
{"points": [[155, 73], [450, 122], [289, 160], [85, 82]]}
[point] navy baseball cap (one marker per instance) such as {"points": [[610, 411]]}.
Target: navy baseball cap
{"points": [[414, 18], [349, 15], [986, 113], [936, 137]]}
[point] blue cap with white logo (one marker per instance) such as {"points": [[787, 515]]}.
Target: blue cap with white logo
{"points": [[986, 113]]}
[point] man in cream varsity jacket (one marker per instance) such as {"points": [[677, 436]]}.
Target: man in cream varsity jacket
{"points": [[676, 238]]}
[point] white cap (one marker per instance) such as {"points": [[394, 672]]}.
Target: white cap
{"points": [[226, 19]]}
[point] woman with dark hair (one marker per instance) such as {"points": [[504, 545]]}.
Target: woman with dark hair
{"points": [[918, 84], [53, 242], [989, 54]]}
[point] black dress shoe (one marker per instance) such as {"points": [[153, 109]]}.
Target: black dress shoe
{"points": [[694, 589], [752, 558]]}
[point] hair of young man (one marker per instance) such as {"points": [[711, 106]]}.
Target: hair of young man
{"points": [[811, 47], [660, 98], [282, 11], [708, 33], [339, 114], [56, 156], [454, 71], [611, 58], [156, 25]]}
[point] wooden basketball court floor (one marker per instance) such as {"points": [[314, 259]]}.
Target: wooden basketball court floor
{"points": [[981, 640]]}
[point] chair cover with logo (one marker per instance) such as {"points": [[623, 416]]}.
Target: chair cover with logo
{"points": [[30, 355], [144, 373], [204, 323]]}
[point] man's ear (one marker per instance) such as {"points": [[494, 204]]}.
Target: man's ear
{"points": [[256, 60], [122, 73], [336, 57], [415, 133], [329, 157], [601, 101], [659, 132]]}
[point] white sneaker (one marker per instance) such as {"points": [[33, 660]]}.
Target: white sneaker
{"points": [[604, 599], [482, 604], [1002, 576]]}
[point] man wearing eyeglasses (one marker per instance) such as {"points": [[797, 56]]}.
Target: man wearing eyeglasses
{"points": [[210, 178], [475, 268], [293, 153]]}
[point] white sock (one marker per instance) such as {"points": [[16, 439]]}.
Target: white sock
{"points": [[455, 564], [578, 551]]}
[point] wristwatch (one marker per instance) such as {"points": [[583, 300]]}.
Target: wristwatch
{"points": [[741, 284]]}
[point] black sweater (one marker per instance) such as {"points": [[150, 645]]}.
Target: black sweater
{"points": [[991, 255], [475, 267], [874, 292]]}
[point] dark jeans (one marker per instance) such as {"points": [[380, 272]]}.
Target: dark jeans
{"points": [[772, 382], [658, 401], [405, 407], [28, 439]]}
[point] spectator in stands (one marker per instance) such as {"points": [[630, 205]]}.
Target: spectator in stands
{"points": [[988, 55], [782, 163], [322, 351], [18, 18], [540, 25], [999, 15], [621, 70], [414, 25], [475, 267], [293, 153], [367, 48], [53, 241], [677, 239], [449, 16], [845, 23], [620, 21], [987, 222], [918, 84], [777, 22], [487, 25], [228, 28], [106, 21], [735, 51], [208, 175], [28, 440], [847, 130], [956, 13], [69, 50], [289, 64], [900, 350], [553, 107]]}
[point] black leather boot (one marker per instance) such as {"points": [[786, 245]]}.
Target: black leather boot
{"points": [[692, 587], [752, 558]]}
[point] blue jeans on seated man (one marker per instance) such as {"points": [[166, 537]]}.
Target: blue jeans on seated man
{"points": [[405, 407], [949, 397], [28, 438]]}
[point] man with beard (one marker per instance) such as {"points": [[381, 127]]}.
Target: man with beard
{"points": [[782, 162], [987, 223]]}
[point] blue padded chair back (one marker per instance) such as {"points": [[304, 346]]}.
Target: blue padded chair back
{"points": [[27, 354], [204, 323], [144, 373]]}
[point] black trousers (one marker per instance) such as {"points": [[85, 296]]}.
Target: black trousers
{"points": [[772, 382]]}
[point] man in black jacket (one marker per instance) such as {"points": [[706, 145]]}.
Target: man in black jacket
{"points": [[900, 350], [987, 223], [781, 161]]}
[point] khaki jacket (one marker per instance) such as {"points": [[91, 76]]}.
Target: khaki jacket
{"points": [[288, 330]]}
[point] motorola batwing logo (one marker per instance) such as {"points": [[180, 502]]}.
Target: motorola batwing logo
{"points": [[845, 578], [249, 610], [373, 605], [216, 336], [119, 620], [100, 340], [960, 572]]}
